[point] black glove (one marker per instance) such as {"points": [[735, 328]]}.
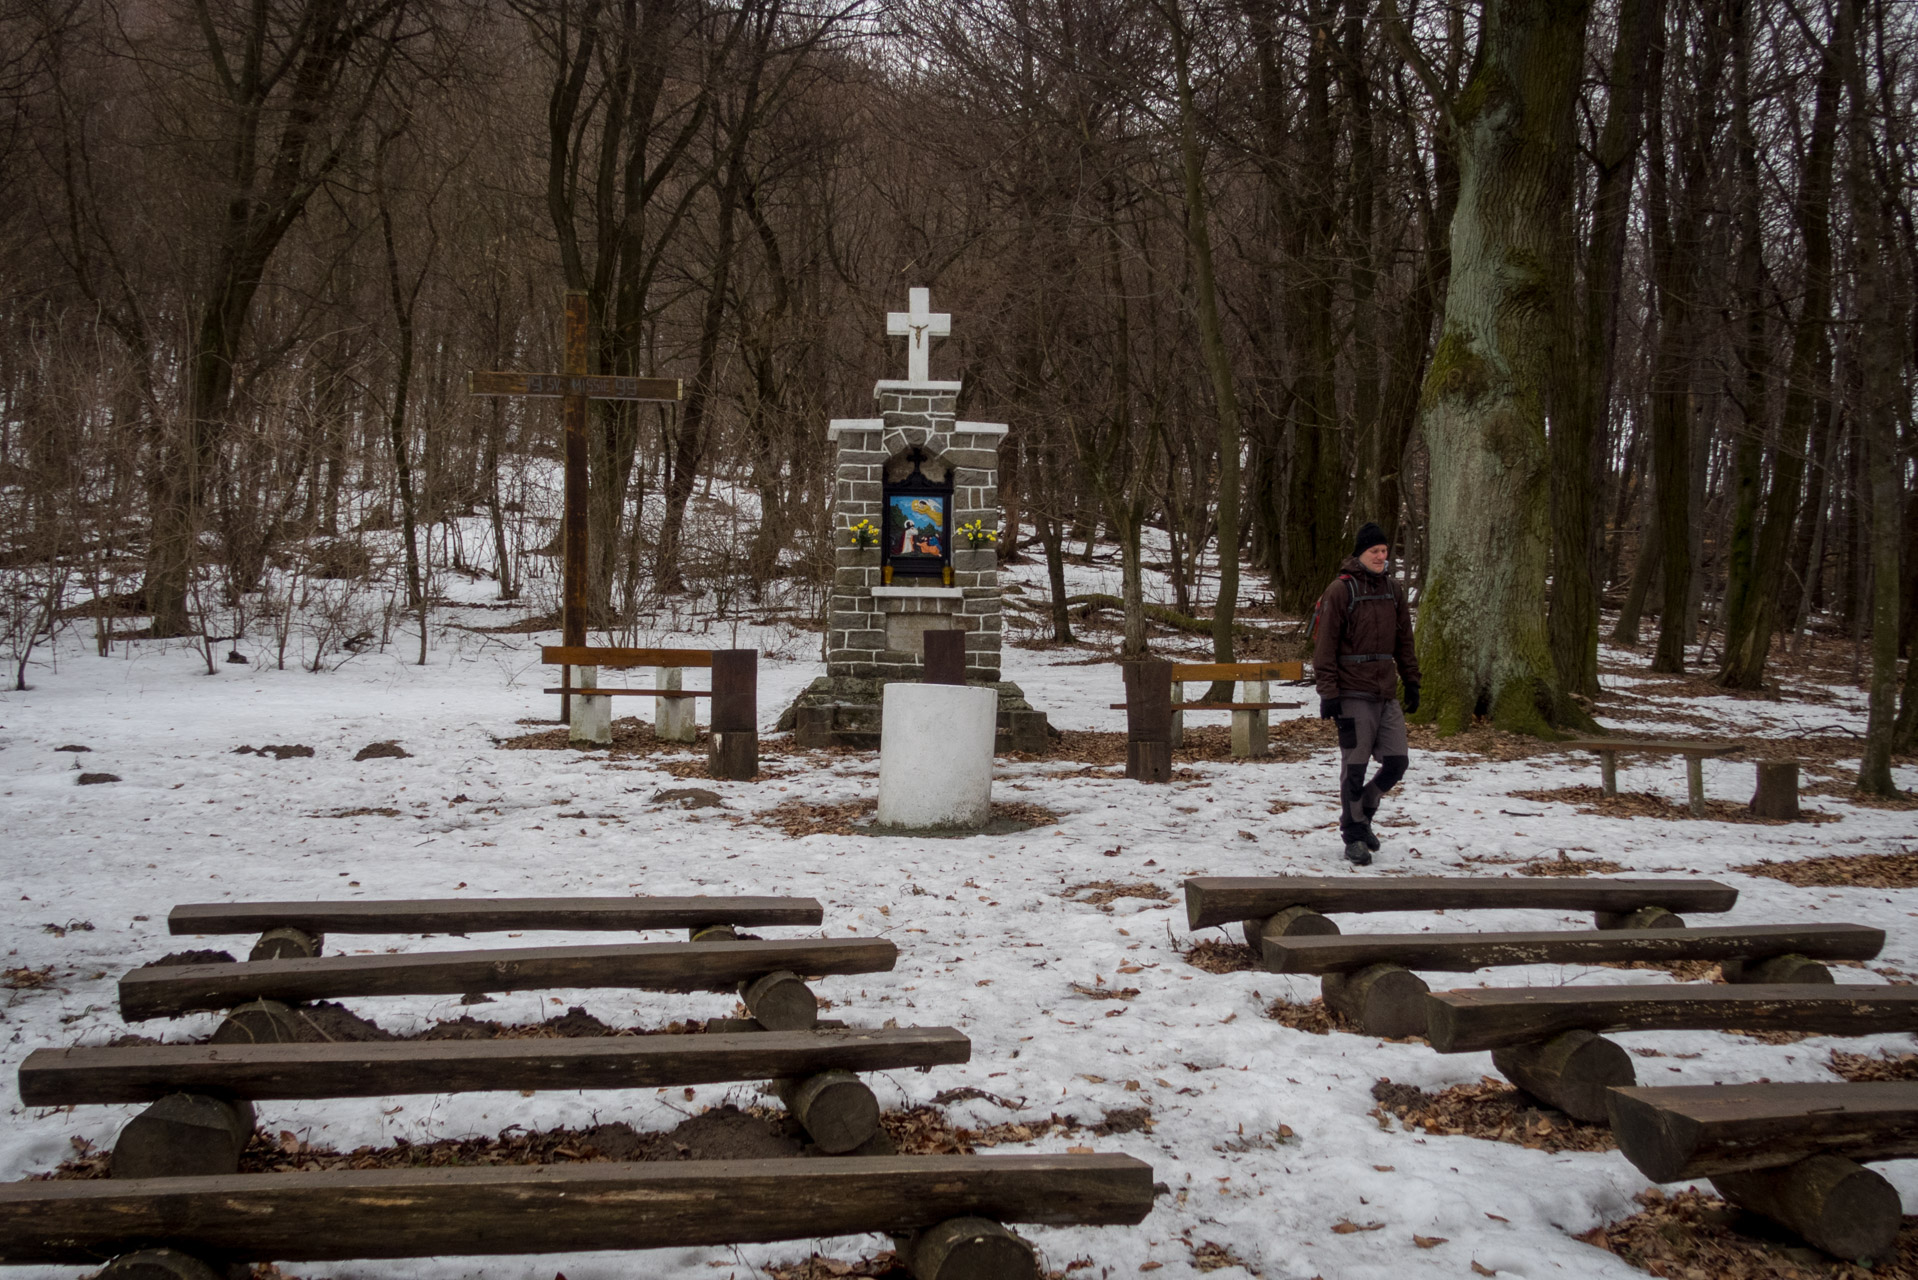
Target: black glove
{"points": [[1411, 697], [1329, 708]]}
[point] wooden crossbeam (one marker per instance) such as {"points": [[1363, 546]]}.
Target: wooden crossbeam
{"points": [[487, 915], [1656, 746], [1181, 707], [1238, 671], [1464, 952], [1211, 900], [410, 1213], [144, 1073], [598, 691], [565, 655], [1696, 1131], [1470, 1021], [157, 991]]}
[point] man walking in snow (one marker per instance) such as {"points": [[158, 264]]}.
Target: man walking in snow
{"points": [[1362, 649]]}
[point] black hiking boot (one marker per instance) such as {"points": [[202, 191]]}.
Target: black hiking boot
{"points": [[1357, 854]]}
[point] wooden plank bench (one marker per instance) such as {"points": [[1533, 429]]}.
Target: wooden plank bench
{"points": [[1155, 708], [1546, 1040], [734, 748], [1789, 1151], [768, 969], [337, 1215], [1695, 753], [295, 929], [1616, 903], [1370, 978], [190, 1136]]}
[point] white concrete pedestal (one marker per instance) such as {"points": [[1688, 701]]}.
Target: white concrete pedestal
{"points": [[592, 716], [935, 755], [673, 717]]}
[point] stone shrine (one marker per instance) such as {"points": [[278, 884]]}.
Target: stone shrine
{"points": [[913, 477]]}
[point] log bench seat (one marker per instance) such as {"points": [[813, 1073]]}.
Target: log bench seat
{"points": [[205, 1131], [948, 1206], [768, 970], [1695, 753], [1788, 1151], [1306, 900], [1370, 978], [290, 930], [1547, 1041]]}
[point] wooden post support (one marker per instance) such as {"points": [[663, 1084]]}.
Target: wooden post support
{"points": [[259, 1022], [1836, 1204], [837, 1109], [1791, 968], [1293, 922], [591, 724], [712, 933], [1777, 793], [1643, 918], [945, 657], [968, 1249], [1382, 998], [160, 1264], [1608, 774], [184, 1135], [1251, 729], [674, 719], [286, 943], [1571, 1072], [781, 1002], [734, 752], [1176, 735], [1148, 696], [1695, 783]]}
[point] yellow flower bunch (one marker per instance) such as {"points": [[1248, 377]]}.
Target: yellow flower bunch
{"points": [[864, 535], [977, 535]]}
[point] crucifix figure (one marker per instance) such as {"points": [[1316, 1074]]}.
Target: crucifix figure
{"points": [[921, 325]]}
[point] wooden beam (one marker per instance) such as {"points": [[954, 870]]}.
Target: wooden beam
{"points": [[1468, 1021], [1696, 1131], [1211, 900], [596, 656], [1656, 746], [1238, 671], [600, 691], [562, 1208], [1464, 952], [486, 915], [377, 1069], [156, 991]]}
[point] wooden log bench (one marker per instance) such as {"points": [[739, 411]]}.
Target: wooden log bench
{"points": [[291, 930], [1370, 977], [201, 1093], [1788, 1151], [1695, 753], [946, 1208], [1547, 1041], [1155, 708], [734, 747], [1305, 901], [767, 975]]}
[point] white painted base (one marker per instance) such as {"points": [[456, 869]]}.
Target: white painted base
{"points": [[673, 718], [935, 756], [592, 717], [1250, 729]]}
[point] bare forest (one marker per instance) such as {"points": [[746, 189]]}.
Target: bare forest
{"points": [[1606, 312]]}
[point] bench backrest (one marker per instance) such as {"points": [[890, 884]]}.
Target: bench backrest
{"points": [[574, 655], [1238, 671]]}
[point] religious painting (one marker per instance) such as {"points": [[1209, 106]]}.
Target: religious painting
{"points": [[917, 524]]}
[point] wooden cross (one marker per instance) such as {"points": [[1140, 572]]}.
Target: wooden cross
{"points": [[573, 389], [919, 323]]}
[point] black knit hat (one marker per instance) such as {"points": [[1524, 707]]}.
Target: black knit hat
{"points": [[1370, 535]]}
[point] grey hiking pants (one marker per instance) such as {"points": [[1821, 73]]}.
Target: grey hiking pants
{"points": [[1368, 730]]}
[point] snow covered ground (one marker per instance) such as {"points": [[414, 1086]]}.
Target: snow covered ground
{"points": [[988, 942]]}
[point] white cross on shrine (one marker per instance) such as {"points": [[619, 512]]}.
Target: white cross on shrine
{"points": [[921, 325]]}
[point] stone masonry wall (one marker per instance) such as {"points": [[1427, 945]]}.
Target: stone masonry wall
{"points": [[923, 414]]}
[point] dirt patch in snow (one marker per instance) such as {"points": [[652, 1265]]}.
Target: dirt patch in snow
{"points": [[1105, 892], [1637, 804], [1693, 1233], [1566, 865], [1845, 871], [1490, 1109], [1905, 801], [798, 818], [1215, 955], [926, 1131], [1859, 1068]]}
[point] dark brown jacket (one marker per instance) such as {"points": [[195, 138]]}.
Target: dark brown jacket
{"points": [[1378, 624]]}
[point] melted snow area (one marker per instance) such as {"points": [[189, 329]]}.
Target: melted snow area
{"points": [[988, 943]]}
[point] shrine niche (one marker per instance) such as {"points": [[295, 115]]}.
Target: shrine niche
{"points": [[906, 483]]}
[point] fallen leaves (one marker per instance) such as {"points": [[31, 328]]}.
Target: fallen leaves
{"points": [[1693, 1233], [1215, 956], [25, 979], [1346, 1227], [1429, 1242], [1493, 1110], [1856, 870], [1861, 1067]]}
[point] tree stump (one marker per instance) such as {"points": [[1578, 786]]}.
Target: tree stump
{"points": [[1293, 922], [969, 1249], [837, 1108], [184, 1135], [159, 1264], [1777, 793], [1643, 918], [1570, 1071], [1834, 1203], [1382, 998], [1776, 969], [259, 1022], [781, 1002], [286, 943]]}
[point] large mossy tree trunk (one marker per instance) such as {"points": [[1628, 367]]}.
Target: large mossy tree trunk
{"points": [[1481, 630]]}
